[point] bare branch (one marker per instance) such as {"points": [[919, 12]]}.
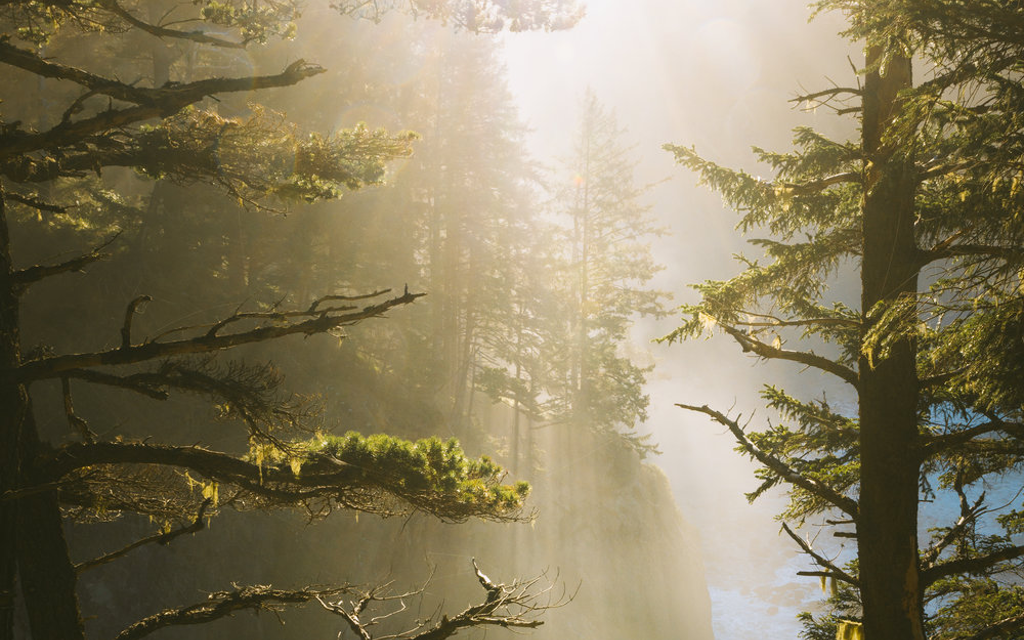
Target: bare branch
{"points": [[751, 344], [512, 606], [35, 203], [25, 277], [832, 570], [75, 422], [161, 538], [138, 382], [224, 603], [826, 93], [787, 473], [129, 314], [304, 324]]}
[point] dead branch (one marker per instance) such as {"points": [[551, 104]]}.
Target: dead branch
{"points": [[74, 421], [35, 203], [787, 473], [198, 524], [514, 606], [140, 383], [224, 603], [284, 324], [25, 277], [129, 314]]}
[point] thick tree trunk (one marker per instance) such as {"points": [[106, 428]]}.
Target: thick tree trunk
{"points": [[32, 545], [48, 578], [13, 404], [887, 523]]}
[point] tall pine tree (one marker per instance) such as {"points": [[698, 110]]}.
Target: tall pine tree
{"points": [[922, 215]]}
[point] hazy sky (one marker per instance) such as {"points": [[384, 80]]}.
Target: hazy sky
{"points": [[718, 75]]}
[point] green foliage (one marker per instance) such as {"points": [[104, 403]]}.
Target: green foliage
{"points": [[962, 131], [430, 469]]}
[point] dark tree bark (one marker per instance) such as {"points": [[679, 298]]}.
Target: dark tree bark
{"points": [[32, 544], [14, 403], [888, 387]]}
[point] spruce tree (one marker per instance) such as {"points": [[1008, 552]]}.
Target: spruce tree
{"points": [[921, 215]]}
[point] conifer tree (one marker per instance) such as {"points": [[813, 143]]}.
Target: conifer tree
{"points": [[921, 214], [605, 282], [159, 119]]}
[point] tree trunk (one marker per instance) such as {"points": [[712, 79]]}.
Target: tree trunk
{"points": [[32, 545], [14, 401], [887, 524]]}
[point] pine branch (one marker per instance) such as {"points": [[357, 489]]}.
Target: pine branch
{"points": [[161, 538], [931, 555], [933, 445], [162, 32], [1010, 254], [751, 344], [787, 473], [817, 186], [291, 323], [998, 629], [968, 565], [150, 103]]}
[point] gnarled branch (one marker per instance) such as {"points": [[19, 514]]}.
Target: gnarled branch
{"points": [[224, 603]]}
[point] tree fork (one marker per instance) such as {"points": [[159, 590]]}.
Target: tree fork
{"points": [[888, 389]]}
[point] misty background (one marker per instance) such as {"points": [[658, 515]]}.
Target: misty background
{"points": [[720, 76]]}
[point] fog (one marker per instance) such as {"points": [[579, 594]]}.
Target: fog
{"points": [[720, 76]]}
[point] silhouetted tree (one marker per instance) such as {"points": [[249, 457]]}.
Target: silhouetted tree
{"points": [[922, 214]]}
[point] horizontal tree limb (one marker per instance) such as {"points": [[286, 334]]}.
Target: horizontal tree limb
{"points": [[314, 323], [149, 103], [163, 32], [225, 603], [752, 344], [968, 565]]}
